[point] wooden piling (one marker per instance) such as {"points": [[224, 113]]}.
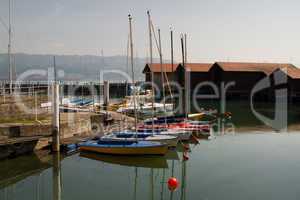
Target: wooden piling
{"points": [[106, 94], [55, 118]]}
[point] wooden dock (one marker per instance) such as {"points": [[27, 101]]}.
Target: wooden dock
{"points": [[16, 140]]}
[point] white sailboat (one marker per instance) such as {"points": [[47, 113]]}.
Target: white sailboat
{"points": [[143, 105]]}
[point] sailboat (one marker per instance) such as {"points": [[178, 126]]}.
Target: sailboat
{"points": [[143, 101], [182, 125], [161, 125], [170, 140], [201, 117], [123, 146], [144, 105]]}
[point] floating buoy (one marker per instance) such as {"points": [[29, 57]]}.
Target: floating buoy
{"points": [[172, 183], [185, 156]]}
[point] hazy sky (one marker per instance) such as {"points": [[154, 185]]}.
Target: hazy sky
{"points": [[235, 30]]}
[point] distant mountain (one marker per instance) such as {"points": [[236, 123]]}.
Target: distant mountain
{"points": [[76, 67]]}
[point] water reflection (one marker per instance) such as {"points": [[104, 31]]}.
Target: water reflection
{"points": [[31, 171], [216, 169], [146, 162], [172, 155], [19, 170], [172, 174], [183, 181], [243, 118], [56, 176], [151, 162], [159, 171], [135, 182]]}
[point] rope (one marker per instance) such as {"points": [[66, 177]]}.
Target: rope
{"points": [[159, 50]]}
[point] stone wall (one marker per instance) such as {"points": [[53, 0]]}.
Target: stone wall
{"points": [[80, 125], [11, 108]]}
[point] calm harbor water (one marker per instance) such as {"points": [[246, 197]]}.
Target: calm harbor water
{"points": [[252, 165]]}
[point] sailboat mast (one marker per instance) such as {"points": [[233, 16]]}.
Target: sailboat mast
{"points": [[183, 65], [9, 48], [172, 54], [172, 63], [162, 70], [151, 62], [127, 56], [186, 79], [185, 49], [132, 71]]}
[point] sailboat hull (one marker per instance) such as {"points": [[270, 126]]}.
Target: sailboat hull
{"points": [[171, 141], [181, 134], [133, 149]]}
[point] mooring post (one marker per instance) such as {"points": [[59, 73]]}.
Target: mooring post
{"points": [[3, 91], [106, 94], [55, 118]]}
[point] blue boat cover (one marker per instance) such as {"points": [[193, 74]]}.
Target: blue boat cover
{"points": [[135, 144]]}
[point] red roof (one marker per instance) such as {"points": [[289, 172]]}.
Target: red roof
{"points": [[198, 67], [167, 67], [155, 67], [266, 68]]}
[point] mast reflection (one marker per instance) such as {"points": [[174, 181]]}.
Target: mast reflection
{"points": [[56, 177]]}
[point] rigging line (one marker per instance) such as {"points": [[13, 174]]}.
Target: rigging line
{"points": [[158, 45], [138, 97], [183, 64], [172, 64], [127, 71], [152, 73], [162, 72], [127, 53], [132, 71], [159, 50], [168, 84], [155, 38]]}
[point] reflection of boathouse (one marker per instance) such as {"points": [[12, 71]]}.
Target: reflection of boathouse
{"points": [[244, 77]]}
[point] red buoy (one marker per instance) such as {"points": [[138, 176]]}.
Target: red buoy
{"points": [[172, 183]]}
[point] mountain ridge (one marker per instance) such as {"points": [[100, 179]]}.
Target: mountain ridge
{"points": [[76, 67]]}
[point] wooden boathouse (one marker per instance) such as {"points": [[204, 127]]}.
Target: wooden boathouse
{"points": [[244, 75]]}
